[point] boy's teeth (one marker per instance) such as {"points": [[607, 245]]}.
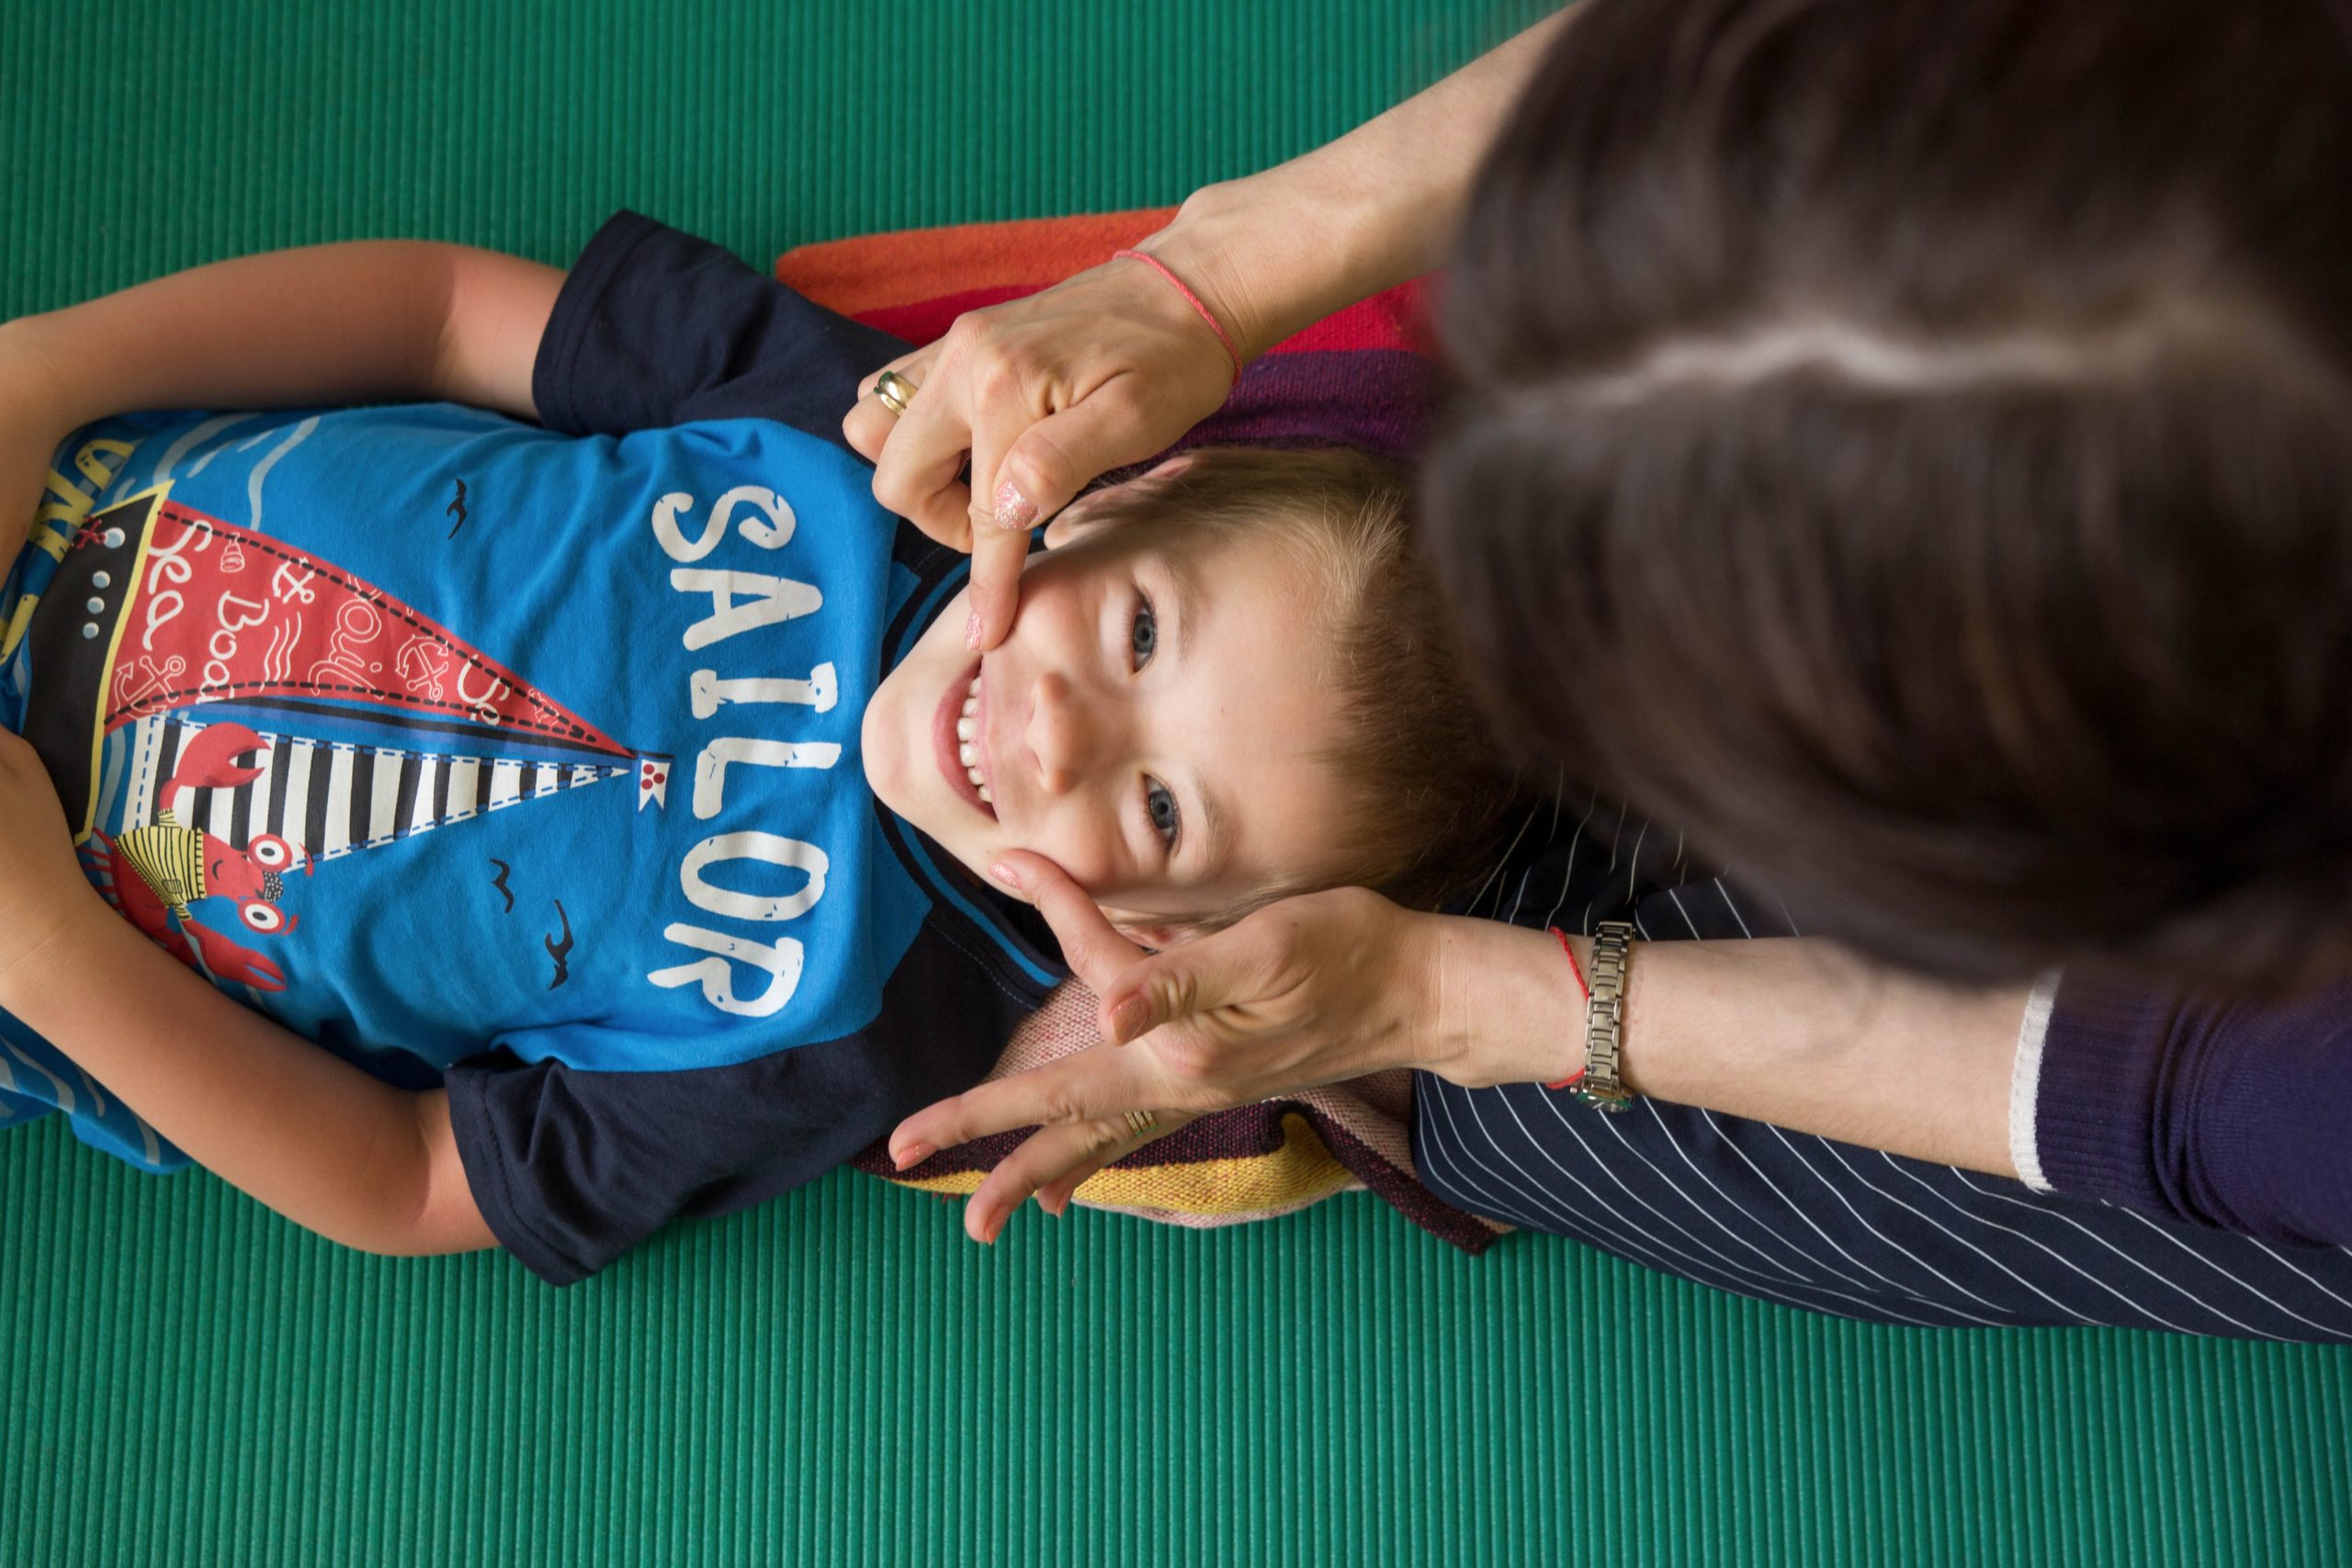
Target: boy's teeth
{"points": [[968, 729]]}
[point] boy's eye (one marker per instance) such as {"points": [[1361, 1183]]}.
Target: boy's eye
{"points": [[1143, 635], [1160, 806]]}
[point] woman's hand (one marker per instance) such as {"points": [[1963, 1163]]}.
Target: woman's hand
{"points": [[1312, 990], [1047, 393], [1042, 394]]}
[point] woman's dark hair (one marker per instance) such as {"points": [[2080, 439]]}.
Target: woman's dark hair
{"points": [[1907, 445]]}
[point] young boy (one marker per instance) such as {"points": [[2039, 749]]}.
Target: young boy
{"points": [[520, 767]]}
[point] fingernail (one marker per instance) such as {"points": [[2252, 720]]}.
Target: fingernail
{"points": [[913, 1154], [972, 633], [1013, 509], [1128, 1019], [1002, 871]]}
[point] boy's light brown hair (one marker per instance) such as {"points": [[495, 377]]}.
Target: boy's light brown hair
{"points": [[1425, 784]]}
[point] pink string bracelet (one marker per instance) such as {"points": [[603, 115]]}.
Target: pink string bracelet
{"points": [[1190, 298], [1578, 970]]}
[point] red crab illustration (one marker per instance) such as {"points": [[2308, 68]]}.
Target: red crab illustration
{"points": [[154, 874]]}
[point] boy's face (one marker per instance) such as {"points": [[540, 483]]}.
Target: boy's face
{"points": [[1152, 724]]}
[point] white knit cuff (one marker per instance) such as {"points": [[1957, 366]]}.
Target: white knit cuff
{"points": [[2025, 1081]]}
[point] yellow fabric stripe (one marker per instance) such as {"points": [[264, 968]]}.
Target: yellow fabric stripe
{"points": [[1302, 1170], [17, 623]]}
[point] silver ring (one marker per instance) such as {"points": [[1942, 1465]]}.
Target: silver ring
{"points": [[894, 391], [1139, 1122]]}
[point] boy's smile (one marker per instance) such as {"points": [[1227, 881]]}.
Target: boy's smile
{"points": [[1155, 723], [956, 732]]}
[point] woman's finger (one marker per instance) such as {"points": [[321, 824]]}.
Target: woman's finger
{"points": [[1091, 945], [868, 425], [1003, 406], [1242, 963], [918, 473], [1048, 461], [998, 556], [1056, 1196], [1096, 1082], [1045, 1155], [1051, 1165]]}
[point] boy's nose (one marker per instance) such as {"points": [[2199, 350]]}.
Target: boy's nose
{"points": [[1068, 734]]}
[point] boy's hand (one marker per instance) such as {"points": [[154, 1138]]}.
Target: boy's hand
{"points": [[33, 422], [46, 894]]}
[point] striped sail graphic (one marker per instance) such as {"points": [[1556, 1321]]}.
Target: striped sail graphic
{"points": [[315, 661], [332, 797]]}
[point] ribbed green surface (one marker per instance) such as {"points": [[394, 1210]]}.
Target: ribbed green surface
{"points": [[838, 1378]]}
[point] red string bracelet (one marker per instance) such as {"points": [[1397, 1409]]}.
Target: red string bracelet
{"points": [[1190, 298], [1578, 970]]}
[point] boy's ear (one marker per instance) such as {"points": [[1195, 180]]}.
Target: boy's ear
{"points": [[1086, 516]]}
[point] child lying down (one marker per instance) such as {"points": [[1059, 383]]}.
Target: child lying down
{"points": [[613, 796]]}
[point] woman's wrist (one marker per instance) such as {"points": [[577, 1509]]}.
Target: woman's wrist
{"points": [[1504, 1003], [1274, 251], [1269, 255]]}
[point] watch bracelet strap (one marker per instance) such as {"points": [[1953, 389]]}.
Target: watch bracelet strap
{"points": [[1604, 1036]]}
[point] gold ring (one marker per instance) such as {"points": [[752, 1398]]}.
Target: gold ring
{"points": [[1139, 1122], [894, 391]]}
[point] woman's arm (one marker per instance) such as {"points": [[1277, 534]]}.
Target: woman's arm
{"points": [[1276, 252], [1045, 393], [292, 1125], [1333, 986], [374, 321], [1797, 1032]]}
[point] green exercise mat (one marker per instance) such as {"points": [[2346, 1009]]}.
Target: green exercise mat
{"points": [[838, 1378]]}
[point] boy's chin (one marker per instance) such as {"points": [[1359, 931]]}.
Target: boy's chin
{"points": [[945, 822]]}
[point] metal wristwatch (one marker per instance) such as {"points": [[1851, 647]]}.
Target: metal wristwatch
{"points": [[1604, 1017]]}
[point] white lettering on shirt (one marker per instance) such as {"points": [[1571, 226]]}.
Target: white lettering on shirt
{"points": [[743, 602]]}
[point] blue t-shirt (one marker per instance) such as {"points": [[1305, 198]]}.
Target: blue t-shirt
{"points": [[526, 759]]}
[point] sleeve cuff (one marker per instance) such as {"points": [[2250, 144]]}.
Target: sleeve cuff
{"points": [[480, 1151], [2024, 1082], [2095, 1102], [555, 374]]}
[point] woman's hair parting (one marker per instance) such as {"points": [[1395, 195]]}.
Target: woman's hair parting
{"points": [[1426, 787], [1906, 445]]}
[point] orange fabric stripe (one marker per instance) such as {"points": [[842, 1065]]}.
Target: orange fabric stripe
{"points": [[873, 272]]}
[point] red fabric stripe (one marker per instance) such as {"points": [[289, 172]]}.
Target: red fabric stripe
{"points": [[1389, 320]]}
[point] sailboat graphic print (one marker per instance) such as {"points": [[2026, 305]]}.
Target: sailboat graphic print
{"points": [[339, 717]]}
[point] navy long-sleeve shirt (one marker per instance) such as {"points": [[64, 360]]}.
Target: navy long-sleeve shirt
{"points": [[2230, 1113]]}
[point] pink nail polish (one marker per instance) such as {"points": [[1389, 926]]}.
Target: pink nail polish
{"points": [[1002, 871], [915, 1155], [972, 632], [1013, 509]]}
